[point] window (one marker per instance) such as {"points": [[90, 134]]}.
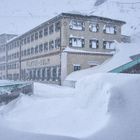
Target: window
{"points": [[108, 45], [76, 42], [36, 49], [17, 54], [40, 34], [51, 45], [46, 31], [25, 53], [93, 27], [22, 53], [17, 43], [57, 43], [32, 50], [40, 48], [36, 35], [94, 44], [54, 73], [28, 52], [46, 46], [76, 67], [21, 42], [110, 29], [77, 25], [28, 39], [51, 29], [57, 26], [32, 37], [43, 73], [48, 74], [25, 41]]}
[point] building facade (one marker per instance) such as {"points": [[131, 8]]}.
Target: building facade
{"points": [[65, 43], [3, 40]]}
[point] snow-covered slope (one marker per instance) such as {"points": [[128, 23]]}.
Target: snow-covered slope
{"points": [[123, 10]]}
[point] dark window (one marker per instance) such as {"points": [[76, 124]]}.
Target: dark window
{"points": [[25, 53], [51, 45], [40, 34], [22, 53], [28, 52], [46, 31], [48, 74], [57, 26], [32, 37], [77, 67], [32, 50], [43, 73], [25, 41], [51, 29], [36, 49], [57, 43], [36, 35], [40, 48], [46, 46], [17, 54], [28, 39], [21, 42], [54, 74]]}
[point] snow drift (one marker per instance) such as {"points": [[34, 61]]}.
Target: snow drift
{"points": [[99, 105]]}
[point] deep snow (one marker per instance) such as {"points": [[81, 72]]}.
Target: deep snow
{"points": [[99, 105], [102, 106]]}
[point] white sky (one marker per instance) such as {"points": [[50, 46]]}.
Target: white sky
{"points": [[18, 16]]}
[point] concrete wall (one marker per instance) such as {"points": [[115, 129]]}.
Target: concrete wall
{"points": [[88, 35], [84, 60]]}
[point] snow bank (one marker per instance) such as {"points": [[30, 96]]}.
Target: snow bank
{"points": [[124, 110], [97, 104], [63, 114]]}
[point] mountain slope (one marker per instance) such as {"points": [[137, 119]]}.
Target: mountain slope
{"points": [[123, 10]]}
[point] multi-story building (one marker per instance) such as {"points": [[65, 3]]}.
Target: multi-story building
{"points": [[3, 40], [65, 43]]}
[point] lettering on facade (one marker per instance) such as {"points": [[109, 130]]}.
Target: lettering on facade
{"points": [[38, 63]]}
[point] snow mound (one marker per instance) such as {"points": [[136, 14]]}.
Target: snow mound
{"points": [[124, 110], [97, 102]]}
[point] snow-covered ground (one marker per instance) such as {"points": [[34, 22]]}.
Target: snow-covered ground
{"points": [[100, 105]]}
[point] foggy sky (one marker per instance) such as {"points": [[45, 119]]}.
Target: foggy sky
{"points": [[18, 16]]}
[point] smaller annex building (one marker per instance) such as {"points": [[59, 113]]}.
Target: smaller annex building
{"points": [[61, 45]]}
